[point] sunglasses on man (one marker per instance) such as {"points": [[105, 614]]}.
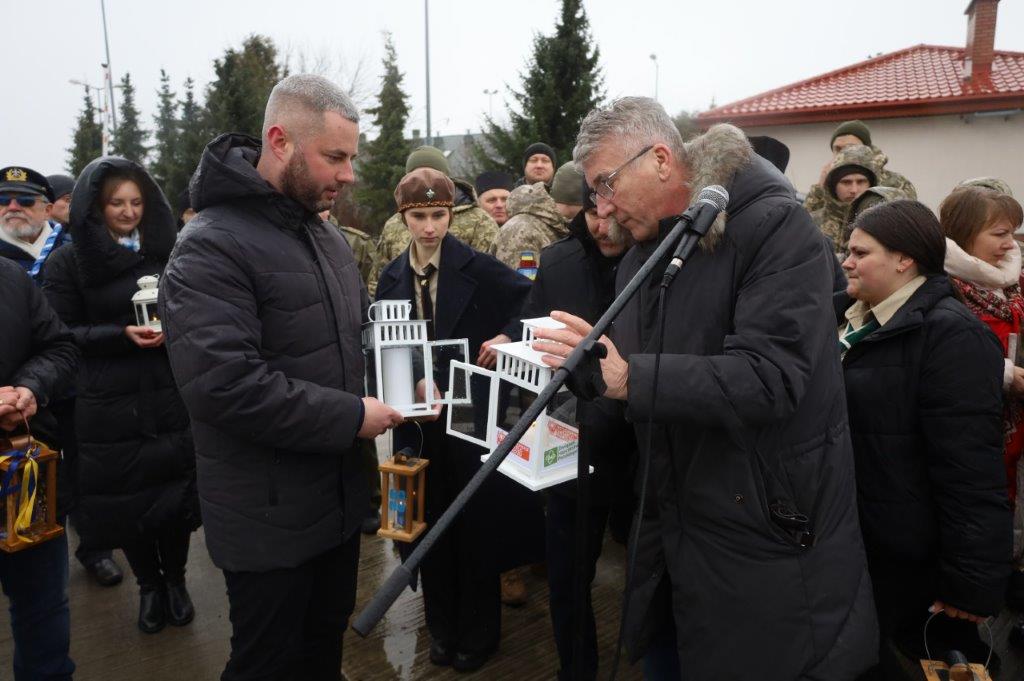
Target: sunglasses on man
{"points": [[24, 200]]}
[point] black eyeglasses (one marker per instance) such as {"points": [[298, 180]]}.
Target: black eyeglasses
{"points": [[603, 187], [24, 200]]}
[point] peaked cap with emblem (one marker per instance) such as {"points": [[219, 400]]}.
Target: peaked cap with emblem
{"points": [[26, 181], [424, 188]]}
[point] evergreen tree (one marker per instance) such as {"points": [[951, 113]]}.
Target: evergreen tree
{"points": [[236, 99], [165, 137], [562, 83], [192, 139], [385, 155], [687, 125], [129, 140], [87, 142]]}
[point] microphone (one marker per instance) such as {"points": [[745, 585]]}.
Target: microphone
{"points": [[700, 216]]}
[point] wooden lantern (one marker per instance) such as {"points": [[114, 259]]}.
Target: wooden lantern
{"points": [[28, 490], [402, 497], [939, 671]]}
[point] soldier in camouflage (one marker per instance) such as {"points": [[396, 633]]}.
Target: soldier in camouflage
{"points": [[534, 222], [470, 223], [848, 134], [365, 252], [993, 183], [852, 172]]}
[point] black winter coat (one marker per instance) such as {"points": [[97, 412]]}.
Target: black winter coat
{"points": [[575, 277], [136, 466], [925, 403], [36, 352], [25, 259], [262, 304], [749, 410]]}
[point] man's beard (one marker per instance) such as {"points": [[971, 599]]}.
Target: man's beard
{"points": [[616, 234], [296, 184], [22, 230]]}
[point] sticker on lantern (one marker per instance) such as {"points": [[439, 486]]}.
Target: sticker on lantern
{"points": [[491, 402], [144, 300]]}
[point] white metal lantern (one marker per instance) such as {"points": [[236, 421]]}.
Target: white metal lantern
{"points": [[144, 300], [546, 454], [399, 355]]}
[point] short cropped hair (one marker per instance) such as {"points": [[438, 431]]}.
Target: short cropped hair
{"points": [[308, 96], [969, 210], [639, 121]]}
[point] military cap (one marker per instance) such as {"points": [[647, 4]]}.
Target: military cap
{"points": [[427, 157], [855, 128], [993, 183], [424, 188], [62, 185], [565, 188], [493, 179], [26, 181]]}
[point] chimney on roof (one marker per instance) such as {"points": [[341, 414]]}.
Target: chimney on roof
{"points": [[981, 38]]}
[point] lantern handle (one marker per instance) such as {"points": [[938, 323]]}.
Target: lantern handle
{"points": [[11, 440]]}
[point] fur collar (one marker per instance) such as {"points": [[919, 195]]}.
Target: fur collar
{"points": [[714, 158], [978, 272]]}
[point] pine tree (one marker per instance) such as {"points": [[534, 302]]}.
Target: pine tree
{"points": [[165, 137], [385, 155], [129, 140], [192, 139], [562, 83], [236, 99], [87, 143]]}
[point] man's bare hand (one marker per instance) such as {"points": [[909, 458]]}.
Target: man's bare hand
{"points": [[377, 418], [488, 357], [144, 337], [558, 343], [955, 613], [17, 403]]}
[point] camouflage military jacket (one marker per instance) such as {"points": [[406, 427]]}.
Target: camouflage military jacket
{"points": [[534, 223], [365, 253], [817, 197], [470, 224]]}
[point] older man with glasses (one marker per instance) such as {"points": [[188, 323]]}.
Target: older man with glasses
{"points": [[27, 235], [747, 559]]}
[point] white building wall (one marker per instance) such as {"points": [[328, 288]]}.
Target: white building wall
{"points": [[934, 152]]}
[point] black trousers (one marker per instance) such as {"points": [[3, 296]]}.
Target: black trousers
{"points": [[287, 624], [561, 544], [159, 562]]}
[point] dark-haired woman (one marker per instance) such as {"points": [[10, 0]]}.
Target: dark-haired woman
{"points": [[924, 392], [136, 460], [984, 263]]}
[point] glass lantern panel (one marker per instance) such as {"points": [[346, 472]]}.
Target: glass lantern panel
{"points": [[402, 368], [470, 412], [452, 385], [140, 314], [370, 358]]}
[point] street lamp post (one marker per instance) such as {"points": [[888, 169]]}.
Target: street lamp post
{"points": [[490, 101], [426, 29], [109, 71], [654, 58]]}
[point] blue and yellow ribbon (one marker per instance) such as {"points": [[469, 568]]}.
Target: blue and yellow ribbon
{"points": [[25, 460]]}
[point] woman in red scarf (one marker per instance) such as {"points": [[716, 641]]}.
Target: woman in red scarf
{"points": [[984, 263]]}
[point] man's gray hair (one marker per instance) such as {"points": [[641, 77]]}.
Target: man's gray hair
{"points": [[306, 93], [635, 121]]}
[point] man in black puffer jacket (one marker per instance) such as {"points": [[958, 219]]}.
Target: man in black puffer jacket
{"points": [[262, 304]]}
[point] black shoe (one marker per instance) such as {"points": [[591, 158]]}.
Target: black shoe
{"points": [[470, 662], [105, 572], [152, 613], [179, 605], [371, 523], [440, 654]]}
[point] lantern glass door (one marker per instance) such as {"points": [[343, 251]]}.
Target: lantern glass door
{"points": [[471, 393]]}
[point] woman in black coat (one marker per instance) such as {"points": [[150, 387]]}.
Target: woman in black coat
{"points": [[136, 460], [923, 386], [466, 295]]}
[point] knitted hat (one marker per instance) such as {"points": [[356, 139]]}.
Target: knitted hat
{"points": [[62, 185], [427, 157], [855, 128], [565, 188], [424, 188], [493, 179], [539, 148]]}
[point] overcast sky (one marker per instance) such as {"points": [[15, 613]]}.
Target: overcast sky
{"points": [[724, 50]]}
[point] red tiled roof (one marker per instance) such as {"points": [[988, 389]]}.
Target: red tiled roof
{"points": [[918, 81]]}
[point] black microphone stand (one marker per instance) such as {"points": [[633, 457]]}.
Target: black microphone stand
{"points": [[588, 348]]}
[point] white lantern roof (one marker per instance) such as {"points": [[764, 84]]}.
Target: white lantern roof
{"points": [[148, 291]]}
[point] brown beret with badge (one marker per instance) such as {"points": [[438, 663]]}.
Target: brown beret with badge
{"points": [[424, 188]]}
